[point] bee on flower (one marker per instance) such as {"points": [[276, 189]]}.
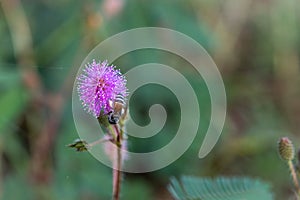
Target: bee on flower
{"points": [[102, 88]]}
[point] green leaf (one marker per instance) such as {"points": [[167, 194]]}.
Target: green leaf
{"points": [[243, 188]]}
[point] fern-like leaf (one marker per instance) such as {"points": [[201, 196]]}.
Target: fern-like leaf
{"points": [[193, 188]]}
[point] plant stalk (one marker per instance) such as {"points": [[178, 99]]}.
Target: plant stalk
{"points": [[117, 175], [99, 141], [117, 164], [294, 177]]}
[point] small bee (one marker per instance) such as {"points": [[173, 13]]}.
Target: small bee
{"points": [[118, 109]]}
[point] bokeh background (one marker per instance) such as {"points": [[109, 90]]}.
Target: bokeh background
{"points": [[255, 44]]}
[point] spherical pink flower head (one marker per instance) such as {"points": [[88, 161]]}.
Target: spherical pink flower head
{"points": [[99, 84]]}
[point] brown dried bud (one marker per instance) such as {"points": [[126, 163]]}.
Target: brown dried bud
{"points": [[286, 149]]}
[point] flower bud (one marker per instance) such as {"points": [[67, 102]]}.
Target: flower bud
{"points": [[286, 149], [79, 145]]}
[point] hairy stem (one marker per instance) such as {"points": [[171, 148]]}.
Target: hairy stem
{"points": [[117, 174], [105, 139], [294, 176], [117, 165]]}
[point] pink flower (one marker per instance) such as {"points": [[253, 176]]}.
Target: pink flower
{"points": [[98, 84]]}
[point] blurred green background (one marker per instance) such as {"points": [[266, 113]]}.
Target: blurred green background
{"points": [[255, 44]]}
